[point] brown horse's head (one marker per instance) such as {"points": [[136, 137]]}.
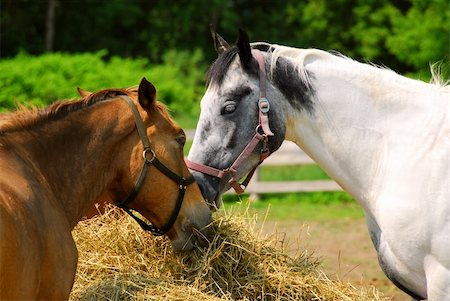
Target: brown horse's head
{"points": [[160, 191]]}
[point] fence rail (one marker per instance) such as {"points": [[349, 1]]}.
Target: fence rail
{"points": [[288, 154]]}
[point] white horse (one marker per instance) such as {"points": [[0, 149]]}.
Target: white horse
{"points": [[383, 137]]}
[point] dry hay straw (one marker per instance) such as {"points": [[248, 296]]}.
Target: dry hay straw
{"points": [[118, 261]]}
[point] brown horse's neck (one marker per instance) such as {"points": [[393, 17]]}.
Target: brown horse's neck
{"points": [[76, 156]]}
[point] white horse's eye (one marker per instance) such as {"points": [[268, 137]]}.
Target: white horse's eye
{"points": [[228, 109]]}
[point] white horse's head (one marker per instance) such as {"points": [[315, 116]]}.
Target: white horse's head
{"points": [[230, 110]]}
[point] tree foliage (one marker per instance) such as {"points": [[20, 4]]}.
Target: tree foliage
{"points": [[114, 43], [40, 80], [405, 35]]}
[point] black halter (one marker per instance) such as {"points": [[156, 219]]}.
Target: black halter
{"points": [[150, 158]]}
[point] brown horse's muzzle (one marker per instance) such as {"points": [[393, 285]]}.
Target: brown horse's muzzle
{"points": [[192, 228]]}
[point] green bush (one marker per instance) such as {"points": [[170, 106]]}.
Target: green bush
{"points": [[40, 80]]}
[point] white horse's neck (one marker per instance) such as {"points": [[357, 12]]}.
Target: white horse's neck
{"points": [[367, 122]]}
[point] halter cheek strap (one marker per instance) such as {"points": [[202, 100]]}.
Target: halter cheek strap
{"points": [[262, 134], [150, 158], [263, 103]]}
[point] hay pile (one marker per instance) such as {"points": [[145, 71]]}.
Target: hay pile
{"points": [[118, 261]]}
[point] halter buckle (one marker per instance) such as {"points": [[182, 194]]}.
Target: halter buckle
{"points": [[182, 184], [265, 145], [264, 105], [144, 155]]}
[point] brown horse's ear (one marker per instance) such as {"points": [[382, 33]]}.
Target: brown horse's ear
{"points": [[146, 93], [83, 93], [219, 43], [245, 51]]}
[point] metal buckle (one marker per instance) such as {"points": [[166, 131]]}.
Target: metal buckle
{"points": [[264, 105], [144, 155], [259, 130], [265, 145], [182, 184]]}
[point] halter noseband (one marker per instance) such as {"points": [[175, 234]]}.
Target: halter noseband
{"points": [[262, 133], [149, 157]]}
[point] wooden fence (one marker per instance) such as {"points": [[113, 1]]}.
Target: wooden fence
{"points": [[288, 154]]}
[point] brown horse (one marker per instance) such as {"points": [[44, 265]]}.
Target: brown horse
{"points": [[54, 164], [99, 206]]}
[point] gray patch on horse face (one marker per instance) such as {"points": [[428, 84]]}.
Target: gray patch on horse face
{"points": [[237, 129], [223, 135], [238, 94], [206, 128]]}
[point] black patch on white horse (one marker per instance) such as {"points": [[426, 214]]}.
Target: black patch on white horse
{"points": [[261, 46], [286, 78]]}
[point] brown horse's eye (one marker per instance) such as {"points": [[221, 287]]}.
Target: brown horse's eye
{"points": [[181, 140]]}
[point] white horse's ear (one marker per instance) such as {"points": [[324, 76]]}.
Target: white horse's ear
{"points": [[146, 94], [83, 93], [219, 43], [245, 51]]}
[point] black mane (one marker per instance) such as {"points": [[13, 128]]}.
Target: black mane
{"points": [[216, 73]]}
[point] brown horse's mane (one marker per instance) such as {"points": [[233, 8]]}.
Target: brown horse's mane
{"points": [[26, 118]]}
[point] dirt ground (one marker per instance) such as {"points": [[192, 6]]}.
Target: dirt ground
{"points": [[344, 247]]}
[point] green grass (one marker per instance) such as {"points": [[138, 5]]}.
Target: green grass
{"points": [[292, 173], [317, 206], [286, 209]]}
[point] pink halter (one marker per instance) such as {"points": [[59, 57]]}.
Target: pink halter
{"points": [[264, 107]]}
